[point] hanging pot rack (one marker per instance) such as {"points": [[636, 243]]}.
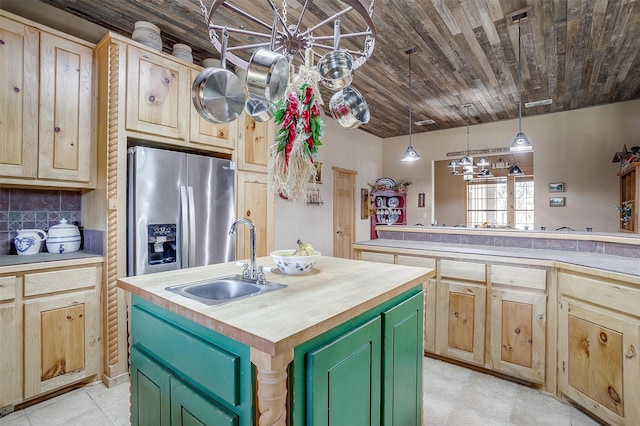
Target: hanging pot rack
{"points": [[291, 40]]}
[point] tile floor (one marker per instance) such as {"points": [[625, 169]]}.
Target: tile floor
{"points": [[453, 395]]}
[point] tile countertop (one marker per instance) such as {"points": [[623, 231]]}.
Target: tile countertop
{"points": [[617, 264], [14, 263], [331, 293]]}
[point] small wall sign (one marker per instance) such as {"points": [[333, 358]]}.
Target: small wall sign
{"points": [[421, 199]]}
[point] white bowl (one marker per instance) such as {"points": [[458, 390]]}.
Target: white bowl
{"points": [[289, 264]]}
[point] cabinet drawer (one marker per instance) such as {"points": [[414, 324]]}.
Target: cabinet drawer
{"points": [[416, 261], [193, 358], [463, 270], [519, 277], [376, 257], [8, 288], [62, 280]]}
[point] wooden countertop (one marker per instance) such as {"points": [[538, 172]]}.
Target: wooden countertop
{"points": [[334, 291]]}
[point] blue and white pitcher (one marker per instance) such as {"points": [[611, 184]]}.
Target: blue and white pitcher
{"points": [[29, 241]]}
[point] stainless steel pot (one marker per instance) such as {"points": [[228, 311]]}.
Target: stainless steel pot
{"points": [[349, 108], [268, 71], [217, 93], [336, 67], [260, 110]]}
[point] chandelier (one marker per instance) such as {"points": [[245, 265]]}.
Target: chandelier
{"points": [[468, 167]]}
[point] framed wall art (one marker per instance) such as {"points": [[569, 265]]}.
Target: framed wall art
{"points": [[556, 187], [364, 203], [556, 201]]}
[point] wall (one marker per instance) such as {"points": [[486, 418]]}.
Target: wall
{"points": [[575, 147], [347, 149]]}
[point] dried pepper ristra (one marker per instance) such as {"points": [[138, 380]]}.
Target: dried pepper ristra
{"points": [[297, 141]]}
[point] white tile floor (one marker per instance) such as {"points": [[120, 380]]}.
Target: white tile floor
{"points": [[453, 395]]}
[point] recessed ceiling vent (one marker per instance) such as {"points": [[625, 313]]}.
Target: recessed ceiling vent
{"points": [[425, 122]]}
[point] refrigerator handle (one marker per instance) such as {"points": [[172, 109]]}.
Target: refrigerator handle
{"points": [[184, 223], [192, 227]]}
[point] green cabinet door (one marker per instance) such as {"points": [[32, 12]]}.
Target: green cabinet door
{"points": [[402, 363], [344, 379], [190, 408], [150, 391]]}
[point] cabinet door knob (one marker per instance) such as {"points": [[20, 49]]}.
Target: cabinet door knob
{"points": [[338, 232], [248, 213], [56, 129]]}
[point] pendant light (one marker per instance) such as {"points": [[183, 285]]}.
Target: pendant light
{"points": [[468, 166], [520, 142], [410, 154]]}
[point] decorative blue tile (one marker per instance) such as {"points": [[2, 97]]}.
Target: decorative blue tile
{"points": [[626, 250], [28, 216], [4, 216], [587, 246], [15, 216], [552, 244], [42, 216], [519, 242], [55, 216], [445, 238], [481, 240], [417, 236], [70, 200], [5, 194], [5, 243], [14, 226]]}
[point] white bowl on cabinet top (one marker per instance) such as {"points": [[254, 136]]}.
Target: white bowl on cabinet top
{"points": [[63, 238]]}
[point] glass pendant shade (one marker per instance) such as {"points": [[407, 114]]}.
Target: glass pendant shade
{"points": [[453, 164], [483, 163], [465, 161], [520, 143], [515, 171], [485, 173], [410, 154]]}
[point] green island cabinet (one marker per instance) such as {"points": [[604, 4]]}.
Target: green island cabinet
{"points": [[366, 371]]}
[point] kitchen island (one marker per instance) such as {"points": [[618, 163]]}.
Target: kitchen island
{"points": [[355, 322]]}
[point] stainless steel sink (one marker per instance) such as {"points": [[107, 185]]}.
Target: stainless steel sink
{"points": [[223, 289]]}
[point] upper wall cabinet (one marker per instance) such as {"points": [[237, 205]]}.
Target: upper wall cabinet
{"points": [[46, 88], [159, 106], [157, 98]]}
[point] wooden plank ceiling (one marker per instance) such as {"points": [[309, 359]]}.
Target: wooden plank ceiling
{"points": [[578, 53]]}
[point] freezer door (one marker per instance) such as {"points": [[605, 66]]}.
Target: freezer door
{"points": [[211, 181], [154, 231]]}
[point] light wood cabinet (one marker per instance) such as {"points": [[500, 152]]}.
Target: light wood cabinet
{"points": [[157, 98], [206, 134], [599, 346], [62, 328], [47, 99], [11, 326], [19, 59], [254, 139], [255, 202], [461, 307], [518, 316]]}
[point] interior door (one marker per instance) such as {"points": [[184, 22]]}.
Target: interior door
{"points": [[344, 212]]}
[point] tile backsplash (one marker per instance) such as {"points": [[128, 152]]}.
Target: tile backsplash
{"points": [[34, 209]]}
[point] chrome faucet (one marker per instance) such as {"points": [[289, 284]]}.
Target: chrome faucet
{"points": [[251, 271]]}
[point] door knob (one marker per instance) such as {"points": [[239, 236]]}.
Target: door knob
{"points": [[338, 232]]}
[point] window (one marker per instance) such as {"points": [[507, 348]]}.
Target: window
{"points": [[488, 202]]}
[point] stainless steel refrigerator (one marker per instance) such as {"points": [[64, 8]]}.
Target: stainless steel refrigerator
{"points": [[179, 210]]}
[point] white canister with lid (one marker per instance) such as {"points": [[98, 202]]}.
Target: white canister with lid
{"points": [[63, 238], [147, 34], [183, 52]]}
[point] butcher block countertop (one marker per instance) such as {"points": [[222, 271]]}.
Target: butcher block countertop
{"points": [[333, 292]]}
